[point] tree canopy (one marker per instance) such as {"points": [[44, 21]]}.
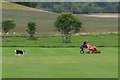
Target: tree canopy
{"points": [[67, 23], [31, 29], [7, 25]]}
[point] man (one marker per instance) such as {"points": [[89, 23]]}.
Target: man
{"points": [[84, 45]]}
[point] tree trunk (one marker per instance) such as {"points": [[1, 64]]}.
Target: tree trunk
{"points": [[31, 35], [62, 38], [5, 35], [67, 38]]}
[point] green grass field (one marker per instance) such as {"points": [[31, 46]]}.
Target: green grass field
{"points": [[39, 62], [48, 57], [55, 41], [60, 63]]}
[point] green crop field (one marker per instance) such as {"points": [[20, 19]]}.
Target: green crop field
{"points": [[60, 63]]}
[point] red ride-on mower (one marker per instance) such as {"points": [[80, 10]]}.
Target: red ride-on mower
{"points": [[90, 49]]}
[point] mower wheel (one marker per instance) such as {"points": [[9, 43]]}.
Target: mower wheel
{"points": [[90, 51], [81, 51]]}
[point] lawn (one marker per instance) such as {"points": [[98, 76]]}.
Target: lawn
{"points": [[60, 63]]}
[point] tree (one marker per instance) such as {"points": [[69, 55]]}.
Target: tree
{"points": [[75, 7], [67, 24], [7, 25], [31, 29]]}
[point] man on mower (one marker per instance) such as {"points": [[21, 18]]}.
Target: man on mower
{"points": [[89, 48]]}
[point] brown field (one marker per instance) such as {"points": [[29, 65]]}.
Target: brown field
{"points": [[104, 22], [45, 21]]}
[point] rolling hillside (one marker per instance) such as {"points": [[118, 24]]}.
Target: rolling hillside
{"points": [[22, 15], [13, 6], [45, 20]]}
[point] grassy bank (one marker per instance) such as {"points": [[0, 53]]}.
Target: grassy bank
{"points": [[55, 41]]}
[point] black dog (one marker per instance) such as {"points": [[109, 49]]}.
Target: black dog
{"points": [[19, 52]]}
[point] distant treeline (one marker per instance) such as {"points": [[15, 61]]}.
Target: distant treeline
{"points": [[75, 7]]}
